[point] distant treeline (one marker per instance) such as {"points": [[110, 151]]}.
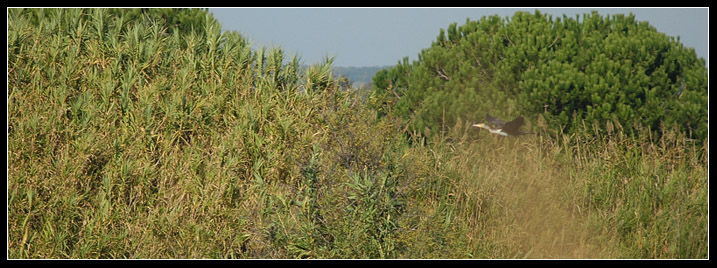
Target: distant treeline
{"points": [[359, 76]]}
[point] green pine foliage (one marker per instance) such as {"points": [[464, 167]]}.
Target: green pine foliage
{"points": [[184, 20], [563, 70], [127, 139]]}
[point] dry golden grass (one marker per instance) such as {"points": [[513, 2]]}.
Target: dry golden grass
{"points": [[535, 197], [523, 199]]}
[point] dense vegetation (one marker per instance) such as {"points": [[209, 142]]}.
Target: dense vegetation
{"points": [[127, 139], [564, 71]]}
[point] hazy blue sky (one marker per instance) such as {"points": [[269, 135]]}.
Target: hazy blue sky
{"points": [[383, 36]]}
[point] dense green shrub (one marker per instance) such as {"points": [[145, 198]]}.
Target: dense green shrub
{"points": [[183, 20], [566, 70]]}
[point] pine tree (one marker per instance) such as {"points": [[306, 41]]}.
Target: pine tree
{"points": [[592, 69]]}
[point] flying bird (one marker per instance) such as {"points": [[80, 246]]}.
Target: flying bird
{"points": [[501, 127]]}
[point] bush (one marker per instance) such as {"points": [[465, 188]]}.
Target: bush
{"points": [[564, 70]]}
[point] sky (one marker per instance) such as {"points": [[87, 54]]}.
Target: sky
{"points": [[363, 37]]}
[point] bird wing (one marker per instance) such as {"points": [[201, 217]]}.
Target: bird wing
{"points": [[495, 121], [512, 126]]}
